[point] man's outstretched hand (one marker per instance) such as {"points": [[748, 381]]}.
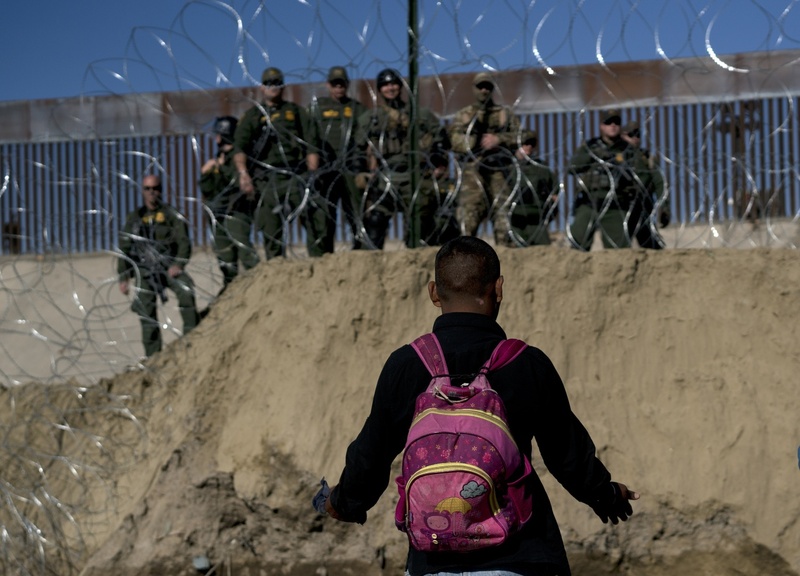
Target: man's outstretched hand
{"points": [[321, 498], [322, 504], [613, 503]]}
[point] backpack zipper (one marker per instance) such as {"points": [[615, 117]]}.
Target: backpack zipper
{"points": [[471, 412], [449, 467]]}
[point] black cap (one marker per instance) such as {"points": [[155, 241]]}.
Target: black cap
{"points": [[610, 114], [338, 73], [272, 75]]}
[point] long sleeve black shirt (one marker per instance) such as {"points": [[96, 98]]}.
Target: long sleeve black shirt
{"points": [[536, 406]]}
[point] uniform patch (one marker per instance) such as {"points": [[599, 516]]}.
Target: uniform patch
{"points": [[331, 114], [290, 116], [157, 217], [348, 112]]}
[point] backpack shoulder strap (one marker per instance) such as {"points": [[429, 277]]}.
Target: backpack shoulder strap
{"points": [[505, 352], [430, 352]]}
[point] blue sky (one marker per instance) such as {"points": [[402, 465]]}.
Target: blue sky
{"points": [[63, 49]]}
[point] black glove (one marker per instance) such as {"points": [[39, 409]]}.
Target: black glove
{"points": [[318, 502], [664, 218], [609, 504]]}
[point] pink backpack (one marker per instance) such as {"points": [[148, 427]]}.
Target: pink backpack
{"points": [[463, 484]]}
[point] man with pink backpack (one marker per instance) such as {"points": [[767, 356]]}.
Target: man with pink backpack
{"points": [[463, 404]]}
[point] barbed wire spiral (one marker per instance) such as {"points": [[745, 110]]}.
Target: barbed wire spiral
{"points": [[729, 166]]}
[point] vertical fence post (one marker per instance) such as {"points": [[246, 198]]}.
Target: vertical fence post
{"points": [[412, 216]]}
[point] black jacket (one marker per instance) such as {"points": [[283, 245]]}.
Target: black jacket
{"points": [[537, 407]]}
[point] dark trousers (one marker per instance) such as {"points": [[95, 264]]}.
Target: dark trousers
{"points": [[283, 199], [232, 244], [427, 220], [641, 224], [145, 301], [610, 220], [338, 186]]}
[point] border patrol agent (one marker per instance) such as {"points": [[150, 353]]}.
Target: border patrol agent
{"points": [[485, 136], [384, 135], [607, 170], [231, 213], [275, 153], [534, 198], [335, 118], [155, 249], [649, 204]]}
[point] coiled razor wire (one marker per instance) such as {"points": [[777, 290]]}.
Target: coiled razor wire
{"points": [[64, 326]]}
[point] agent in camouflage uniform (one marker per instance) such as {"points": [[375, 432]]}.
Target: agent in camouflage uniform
{"points": [[534, 194], [155, 248], [485, 136], [649, 204], [335, 121], [606, 169], [274, 152], [230, 212], [384, 135]]}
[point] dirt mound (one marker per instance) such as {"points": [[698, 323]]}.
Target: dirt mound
{"points": [[682, 365]]}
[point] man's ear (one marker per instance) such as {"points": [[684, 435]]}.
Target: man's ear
{"points": [[498, 289], [434, 294]]}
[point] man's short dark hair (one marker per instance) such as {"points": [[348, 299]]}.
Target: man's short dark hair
{"points": [[466, 267]]}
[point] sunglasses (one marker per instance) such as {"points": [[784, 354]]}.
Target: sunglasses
{"points": [[485, 86], [273, 83], [338, 83], [612, 121], [634, 134], [152, 188]]}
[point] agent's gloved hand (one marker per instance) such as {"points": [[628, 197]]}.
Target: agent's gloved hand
{"points": [[318, 502], [664, 218], [612, 502]]}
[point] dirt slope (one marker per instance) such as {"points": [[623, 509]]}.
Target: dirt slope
{"points": [[682, 365]]}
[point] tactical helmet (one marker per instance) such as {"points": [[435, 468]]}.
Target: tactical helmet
{"points": [[225, 126], [388, 76]]}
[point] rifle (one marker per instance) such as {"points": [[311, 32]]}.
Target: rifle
{"points": [[144, 253]]}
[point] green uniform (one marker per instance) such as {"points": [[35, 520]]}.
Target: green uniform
{"points": [[231, 214], [275, 140], [340, 160], [384, 132], [534, 201], [607, 175], [484, 189], [152, 241], [645, 208]]}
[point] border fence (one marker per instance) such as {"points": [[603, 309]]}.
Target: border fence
{"points": [[727, 141]]}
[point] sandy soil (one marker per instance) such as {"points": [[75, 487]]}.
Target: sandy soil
{"points": [[682, 365]]}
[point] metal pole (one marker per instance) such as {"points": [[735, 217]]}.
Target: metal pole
{"points": [[413, 214]]}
